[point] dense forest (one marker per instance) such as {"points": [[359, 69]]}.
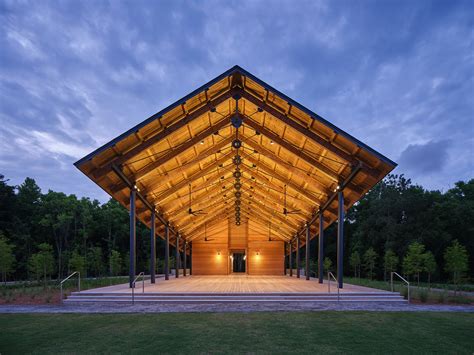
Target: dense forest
{"points": [[396, 226]]}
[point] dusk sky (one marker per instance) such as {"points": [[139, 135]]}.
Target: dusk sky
{"points": [[398, 75]]}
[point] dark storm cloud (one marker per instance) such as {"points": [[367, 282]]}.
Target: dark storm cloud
{"points": [[425, 158], [75, 74]]}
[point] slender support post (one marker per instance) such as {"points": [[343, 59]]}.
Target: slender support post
{"points": [[167, 251], [133, 195], [307, 252], [284, 259], [177, 257], [321, 248], [185, 244], [298, 246], [290, 256], [340, 238], [153, 248], [190, 258]]}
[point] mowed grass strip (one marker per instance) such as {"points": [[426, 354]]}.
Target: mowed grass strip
{"points": [[307, 332]]}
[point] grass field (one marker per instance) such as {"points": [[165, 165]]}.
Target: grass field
{"points": [[303, 332]]}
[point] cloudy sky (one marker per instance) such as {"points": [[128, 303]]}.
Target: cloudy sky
{"points": [[397, 75]]}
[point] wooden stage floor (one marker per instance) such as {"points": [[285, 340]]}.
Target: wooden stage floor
{"points": [[233, 284]]}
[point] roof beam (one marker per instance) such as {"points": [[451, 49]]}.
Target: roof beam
{"points": [[260, 165], [169, 176], [140, 174], [199, 174], [120, 159], [333, 175], [289, 167], [308, 133]]}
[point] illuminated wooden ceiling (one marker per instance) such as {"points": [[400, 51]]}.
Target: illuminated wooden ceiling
{"points": [[292, 160]]}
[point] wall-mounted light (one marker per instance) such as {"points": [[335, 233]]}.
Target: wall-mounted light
{"points": [[202, 142], [218, 252], [257, 253], [245, 257]]}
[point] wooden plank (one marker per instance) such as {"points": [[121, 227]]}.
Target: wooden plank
{"points": [[162, 134], [308, 133]]}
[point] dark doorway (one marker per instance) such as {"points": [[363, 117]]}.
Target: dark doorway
{"points": [[238, 262]]}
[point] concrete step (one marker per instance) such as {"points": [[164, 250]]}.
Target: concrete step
{"points": [[233, 294], [233, 297]]}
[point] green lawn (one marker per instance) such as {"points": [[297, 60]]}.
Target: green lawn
{"points": [[307, 332]]}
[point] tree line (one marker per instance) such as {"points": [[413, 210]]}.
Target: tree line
{"points": [[397, 226]]}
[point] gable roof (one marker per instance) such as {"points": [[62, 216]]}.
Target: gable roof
{"points": [[292, 159]]}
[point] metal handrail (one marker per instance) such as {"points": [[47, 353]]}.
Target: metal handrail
{"points": [[142, 274], [67, 278], [408, 283], [330, 274]]}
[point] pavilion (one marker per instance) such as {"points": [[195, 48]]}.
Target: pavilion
{"points": [[238, 177]]}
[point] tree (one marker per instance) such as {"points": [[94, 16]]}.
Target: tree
{"points": [[95, 263], [429, 265], [115, 263], [456, 261], [327, 264], [354, 262], [7, 259], [41, 264], [413, 261], [370, 258], [57, 210], [390, 262], [77, 263]]}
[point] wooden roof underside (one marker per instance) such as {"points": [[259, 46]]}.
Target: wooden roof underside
{"points": [[189, 144]]}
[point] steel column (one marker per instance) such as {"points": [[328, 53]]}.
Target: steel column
{"points": [[190, 258], [185, 244], [298, 245], [284, 259], [153, 248], [290, 261], [133, 194], [307, 250], [167, 251], [340, 238], [177, 257], [321, 248]]}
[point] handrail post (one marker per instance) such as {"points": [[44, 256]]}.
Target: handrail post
{"points": [[407, 282], [329, 284], [67, 278], [391, 281]]}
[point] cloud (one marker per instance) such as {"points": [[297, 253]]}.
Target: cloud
{"points": [[430, 157], [75, 74]]}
